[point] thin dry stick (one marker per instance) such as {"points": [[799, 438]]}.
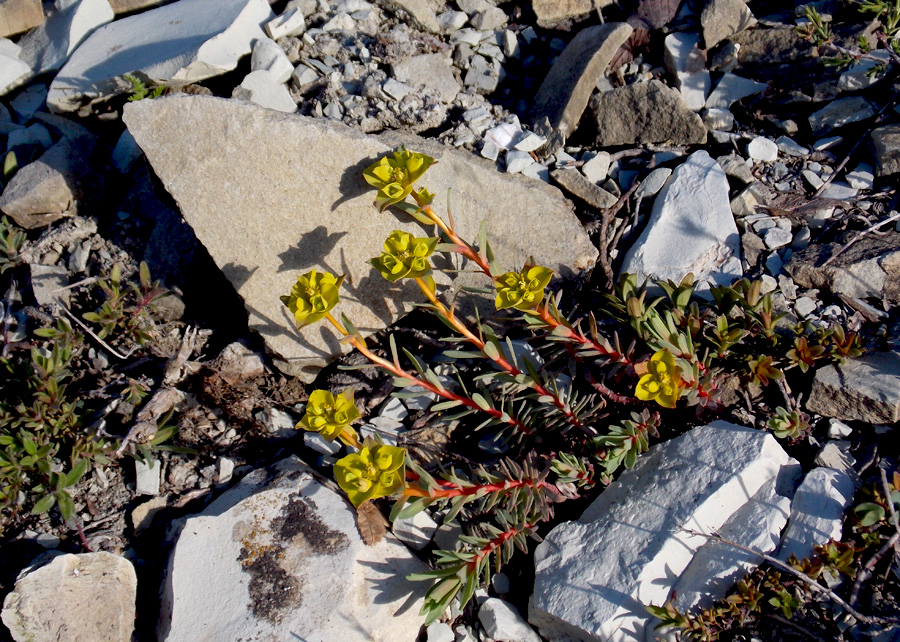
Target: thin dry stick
{"points": [[890, 219], [83, 326], [803, 577]]}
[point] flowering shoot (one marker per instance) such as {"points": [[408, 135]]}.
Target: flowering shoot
{"points": [[405, 256], [313, 296], [522, 290], [329, 415], [375, 471], [394, 177], [663, 382]]}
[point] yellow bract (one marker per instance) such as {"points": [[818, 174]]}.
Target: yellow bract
{"points": [[313, 296], [394, 177], [663, 382], [522, 290], [329, 415], [405, 256], [376, 470]]}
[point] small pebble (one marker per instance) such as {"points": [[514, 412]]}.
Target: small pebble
{"points": [[440, 632], [762, 149], [804, 306]]}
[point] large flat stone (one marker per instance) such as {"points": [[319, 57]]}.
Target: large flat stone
{"points": [[273, 195], [864, 389], [176, 44], [817, 514], [565, 92], [551, 12], [645, 112], [73, 597], [279, 557], [886, 141], [691, 229], [593, 576]]}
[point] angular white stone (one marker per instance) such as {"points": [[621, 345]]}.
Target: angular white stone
{"points": [[762, 149], [176, 44], [718, 119], [417, 531], [431, 70], [862, 177], [654, 182], [279, 557], [261, 88], [776, 237], [732, 88], [268, 56], [147, 477], [13, 70], [592, 576], [817, 512], [516, 161], [528, 141], [47, 47], [503, 623], [73, 597], [290, 23], [451, 21], [790, 147], [597, 168], [757, 525], [440, 632], [691, 229]]}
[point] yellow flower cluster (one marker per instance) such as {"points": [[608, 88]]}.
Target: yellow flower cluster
{"points": [[405, 256], [522, 290], [313, 297], [663, 382], [329, 415], [375, 471], [394, 177]]}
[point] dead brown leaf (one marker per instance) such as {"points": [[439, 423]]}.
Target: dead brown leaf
{"points": [[371, 523]]}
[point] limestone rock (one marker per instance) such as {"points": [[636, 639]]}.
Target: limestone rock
{"points": [[432, 71], [696, 481], [840, 112], [261, 88], [17, 16], [723, 18], [869, 268], [50, 45], [551, 12], [302, 204], [684, 60], [730, 89], [690, 229], [646, 112], [503, 623], [864, 389], [48, 189], [576, 184], [13, 70], [422, 12], [886, 141], [817, 513], [176, 44], [279, 557], [567, 88], [74, 597]]}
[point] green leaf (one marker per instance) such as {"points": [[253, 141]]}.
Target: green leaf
{"points": [[66, 504], [480, 401], [77, 472], [869, 513], [446, 405], [44, 504], [30, 446]]}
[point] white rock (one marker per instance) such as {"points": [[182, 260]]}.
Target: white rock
{"points": [[762, 149], [126, 153], [719, 119], [13, 70], [289, 23], [73, 597], [440, 632], [654, 182], [509, 43], [696, 481], [812, 178], [490, 19], [537, 171], [790, 147], [261, 88], [837, 429], [862, 177], [268, 56], [417, 531], [691, 229], [451, 21], [146, 477], [28, 101], [279, 557], [341, 23], [490, 150], [776, 237], [394, 409], [817, 512], [528, 141], [774, 264], [827, 143], [804, 306], [839, 191], [516, 161], [396, 89], [503, 134], [47, 47], [431, 71], [317, 442], [757, 525], [226, 470], [503, 623], [175, 44], [596, 168], [730, 89], [859, 75]]}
